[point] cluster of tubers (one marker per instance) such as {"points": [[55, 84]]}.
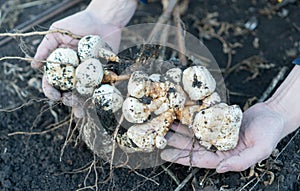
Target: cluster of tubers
{"points": [[67, 70], [175, 95], [154, 101]]}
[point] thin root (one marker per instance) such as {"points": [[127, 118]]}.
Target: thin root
{"points": [[64, 32]]}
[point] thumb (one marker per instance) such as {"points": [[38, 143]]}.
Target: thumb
{"points": [[112, 36], [48, 44], [49, 91], [243, 160]]}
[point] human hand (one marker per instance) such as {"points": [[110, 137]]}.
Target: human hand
{"points": [[87, 22], [261, 130]]}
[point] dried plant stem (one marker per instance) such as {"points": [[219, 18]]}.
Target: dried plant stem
{"points": [[245, 186], [55, 126], [180, 36], [267, 170], [68, 137], [156, 32], [171, 174], [183, 183], [275, 81], [114, 144], [204, 178], [64, 32], [147, 178], [23, 105], [33, 3], [16, 58]]}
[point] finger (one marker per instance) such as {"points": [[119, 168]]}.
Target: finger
{"points": [[50, 91], [243, 160], [48, 44], [182, 129], [69, 42], [112, 38], [182, 142], [71, 100], [78, 112], [200, 158]]}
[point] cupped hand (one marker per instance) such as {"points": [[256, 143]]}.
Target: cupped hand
{"points": [[82, 23], [261, 130]]}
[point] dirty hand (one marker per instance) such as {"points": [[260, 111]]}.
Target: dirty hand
{"points": [[262, 129], [260, 132], [99, 18], [264, 125]]}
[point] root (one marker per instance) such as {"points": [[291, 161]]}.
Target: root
{"points": [[187, 179], [92, 166], [64, 32], [49, 128], [114, 146], [191, 153], [145, 177], [39, 116], [68, 136], [171, 174], [9, 110]]}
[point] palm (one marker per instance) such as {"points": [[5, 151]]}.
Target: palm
{"points": [[82, 24], [259, 134]]}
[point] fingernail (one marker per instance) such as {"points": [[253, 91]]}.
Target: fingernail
{"points": [[222, 169]]}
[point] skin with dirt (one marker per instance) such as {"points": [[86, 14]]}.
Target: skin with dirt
{"points": [[253, 58]]}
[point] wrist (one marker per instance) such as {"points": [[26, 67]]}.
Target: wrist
{"points": [[285, 103], [112, 12], [275, 107]]}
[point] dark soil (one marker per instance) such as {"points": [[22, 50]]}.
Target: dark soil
{"points": [[32, 162]]}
